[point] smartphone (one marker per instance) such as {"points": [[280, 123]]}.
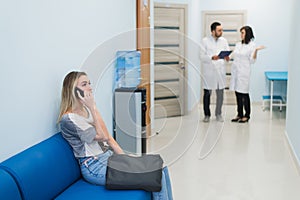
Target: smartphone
{"points": [[80, 91]]}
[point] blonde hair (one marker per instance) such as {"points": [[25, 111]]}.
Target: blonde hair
{"points": [[67, 93]]}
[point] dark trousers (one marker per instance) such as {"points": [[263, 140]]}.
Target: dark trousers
{"points": [[206, 102], [243, 102]]}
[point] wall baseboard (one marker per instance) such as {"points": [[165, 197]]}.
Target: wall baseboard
{"points": [[296, 160]]}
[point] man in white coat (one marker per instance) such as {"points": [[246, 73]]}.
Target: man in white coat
{"points": [[214, 69]]}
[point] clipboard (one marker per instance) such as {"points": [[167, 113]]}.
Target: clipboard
{"points": [[223, 54]]}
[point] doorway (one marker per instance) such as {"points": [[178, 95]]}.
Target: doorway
{"points": [[169, 60]]}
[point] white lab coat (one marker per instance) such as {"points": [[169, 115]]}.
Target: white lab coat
{"points": [[241, 67], [214, 71]]}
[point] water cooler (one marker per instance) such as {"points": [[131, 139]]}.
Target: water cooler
{"points": [[130, 119]]}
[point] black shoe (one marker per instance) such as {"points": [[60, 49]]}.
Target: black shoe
{"points": [[244, 120], [235, 119]]}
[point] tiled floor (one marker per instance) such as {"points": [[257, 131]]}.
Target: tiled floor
{"points": [[227, 161]]}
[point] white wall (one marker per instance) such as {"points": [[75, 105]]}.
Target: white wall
{"points": [[292, 119], [41, 41], [270, 20]]}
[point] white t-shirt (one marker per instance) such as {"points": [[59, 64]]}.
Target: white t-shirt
{"points": [[80, 134]]}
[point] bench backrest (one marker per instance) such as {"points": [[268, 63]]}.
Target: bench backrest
{"points": [[8, 187], [44, 170]]}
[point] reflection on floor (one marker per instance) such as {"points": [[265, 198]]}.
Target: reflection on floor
{"points": [[227, 161]]}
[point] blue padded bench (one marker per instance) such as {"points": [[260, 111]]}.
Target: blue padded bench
{"points": [[8, 187], [49, 170]]}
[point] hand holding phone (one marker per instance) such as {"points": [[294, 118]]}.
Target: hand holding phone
{"points": [[81, 92], [87, 100]]}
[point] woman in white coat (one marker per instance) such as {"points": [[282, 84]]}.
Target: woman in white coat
{"points": [[244, 55]]}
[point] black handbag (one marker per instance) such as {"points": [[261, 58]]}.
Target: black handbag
{"points": [[129, 172]]}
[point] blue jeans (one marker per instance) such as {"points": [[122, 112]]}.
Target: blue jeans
{"points": [[166, 189], [94, 171]]}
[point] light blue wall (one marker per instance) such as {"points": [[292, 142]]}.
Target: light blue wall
{"points": [[41, 41], [293, 109]]}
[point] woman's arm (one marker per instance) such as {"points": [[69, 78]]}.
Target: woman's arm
{"points": [[102, 133], [110, 140], [254, 56], [114, 145]]}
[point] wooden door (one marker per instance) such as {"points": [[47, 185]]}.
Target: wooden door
{"points": [[169, 60]]}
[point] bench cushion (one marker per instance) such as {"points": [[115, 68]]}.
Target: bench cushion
{"points": [[275, 97], [83, 190]]}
